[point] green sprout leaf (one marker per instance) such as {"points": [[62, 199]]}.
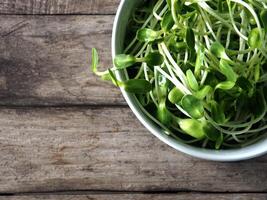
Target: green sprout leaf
{"points": [[154, 59], [147, 35], [192, 81], [217, 113], [254, 39], [193, 106], [123, 61], [219, 142], [113, 78], [199, 61], [193, 127], [190, 39], [257, 73], [136, 86], [227, 70], [263, 16], [226, 85], [177, 46], [203, 92], [218, 50], [211, 133], [175, 95], [95, 60], [167, 22], [163, 114]]}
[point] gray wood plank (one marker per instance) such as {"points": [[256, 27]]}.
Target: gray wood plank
{"points": [[58, 6], [185, 196], [49, 149], [45, 60]]}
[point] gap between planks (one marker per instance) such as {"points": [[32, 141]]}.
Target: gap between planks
{"points": [[138, 196], [114, 192], [57, 15], [67, 106]]}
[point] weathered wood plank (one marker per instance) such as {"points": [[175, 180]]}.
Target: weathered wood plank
{"points": [[184, 196], [58, 6], [72, 149], [46, 59]]}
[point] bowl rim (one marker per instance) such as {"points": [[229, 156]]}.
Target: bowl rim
{"points": [[252, 151]]}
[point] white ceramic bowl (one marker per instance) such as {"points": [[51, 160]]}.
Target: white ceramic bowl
{"points": [[123, 14]]}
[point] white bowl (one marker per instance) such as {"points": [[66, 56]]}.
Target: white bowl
{"points": [[123, 14]]}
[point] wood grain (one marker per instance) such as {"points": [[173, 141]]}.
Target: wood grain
{"points": [[195, 196], [58, 6], [45, 60], [48, 150]]}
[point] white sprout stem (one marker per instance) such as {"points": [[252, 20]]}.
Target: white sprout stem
{"points": [[236, 139], [205, 74], [180, 74], [159, 16], [139, 72], [228, 39], [157, 5], [169, 67], [182, 110], [155, 11], [207, 22], [233, 22], [145, 71], [218, 35], [141, 50], [147, 78], [174, 81], [242, 44], [248, 57], [254, 57], [258, 129], [156, 85], [163, 11], [173, 11], [230, 132], [207, 40], [186, 56], [153, 99], [252, 12], [170, 70], [211, 12]]}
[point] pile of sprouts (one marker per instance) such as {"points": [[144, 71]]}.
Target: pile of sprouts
{"points": [[198, 69]]}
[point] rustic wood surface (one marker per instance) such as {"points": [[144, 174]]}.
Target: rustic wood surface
{"points": [[45, 60], [184, 196], [58, 6], [67, 135], [106, 148]]}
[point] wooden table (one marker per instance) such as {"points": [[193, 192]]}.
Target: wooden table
{"points": [[67, 135]]}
